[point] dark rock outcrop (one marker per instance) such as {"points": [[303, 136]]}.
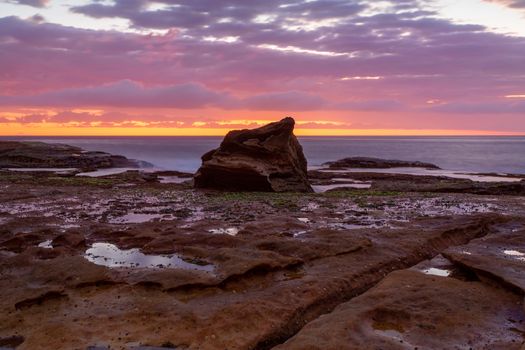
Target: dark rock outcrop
{"points": [[43, 155], [268, 159], [377, 163]]}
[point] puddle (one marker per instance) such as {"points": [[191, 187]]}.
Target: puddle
{"points": [[173, 179], [428, 172], [438, 207], [390, 334], [67, 226], [7, 254], [515, 254], [138, 218], [437, 272], [345, 180], [324, 188], [50, 170], [126, 185], [232, 231], [46, 244], [105, 172], [107, 254], [23, 209], [341, 183], [345, 226], [298, 234], [311, 206]]}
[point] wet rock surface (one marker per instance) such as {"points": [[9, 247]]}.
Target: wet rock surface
{"points": [[413, 310], [500, 257], [114, 262], [43, 155], [268, 159]]}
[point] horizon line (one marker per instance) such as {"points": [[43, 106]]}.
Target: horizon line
{"points": [[297, 135], [57, 131]]}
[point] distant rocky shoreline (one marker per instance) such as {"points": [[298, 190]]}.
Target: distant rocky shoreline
{"points": [[26, 154], [373, 163]]}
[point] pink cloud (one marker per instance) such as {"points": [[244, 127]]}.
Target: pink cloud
{"points": [[269, 65], [126, 94], [518, 4], [34, 3]]}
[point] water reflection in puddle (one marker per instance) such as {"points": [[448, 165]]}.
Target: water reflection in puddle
{"points": [[515, 254], [390, 334], [232, 231], [299, 234], [357, 226], [325, 188], [53, 170], [173, 179], [106, 172], [137, 218], [107, 254], [437, 272], [46, 244], [428, 172]]}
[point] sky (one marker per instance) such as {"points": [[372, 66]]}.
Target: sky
{"points": [[203, 67]]}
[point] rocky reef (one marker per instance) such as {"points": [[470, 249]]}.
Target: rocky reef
{"points": [[368, 162], [268, 159], [143, 261], [44, 155]]}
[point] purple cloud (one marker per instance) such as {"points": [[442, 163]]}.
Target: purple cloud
{"points": [[34, 3], [126, 94], [234, 54], [288, 101], [496, 107], [129, 94], [518, 4]]}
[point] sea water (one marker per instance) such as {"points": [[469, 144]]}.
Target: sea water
{"points": [[497, 154]]}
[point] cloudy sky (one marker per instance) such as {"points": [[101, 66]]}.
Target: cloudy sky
{"points": [[181, 67]]}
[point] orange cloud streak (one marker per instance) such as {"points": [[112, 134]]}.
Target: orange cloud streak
{"points": [[58, 130]]}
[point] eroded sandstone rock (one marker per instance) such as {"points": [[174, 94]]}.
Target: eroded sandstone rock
{"points": [[412, 310], [268, 159], [498, 256], [290, 260]]}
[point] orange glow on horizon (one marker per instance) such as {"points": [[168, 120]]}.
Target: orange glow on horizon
{"points": [[54, 130]]}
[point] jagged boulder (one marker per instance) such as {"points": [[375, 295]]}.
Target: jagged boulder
{"points": [[268, 159]]}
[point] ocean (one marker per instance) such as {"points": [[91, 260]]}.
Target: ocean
{"points": [[500, 154]]}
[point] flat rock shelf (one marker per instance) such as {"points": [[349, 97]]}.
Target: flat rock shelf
{"points": [[374, 259]]}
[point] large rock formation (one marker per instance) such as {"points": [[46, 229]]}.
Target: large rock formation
{"points": [[268, 159], [43, 155]]}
